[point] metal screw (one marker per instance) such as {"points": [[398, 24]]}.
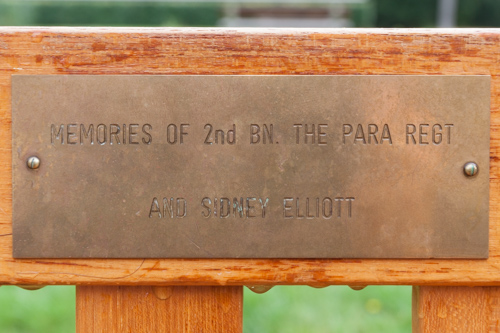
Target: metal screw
{"points": [[33, 162], [471, 169]]}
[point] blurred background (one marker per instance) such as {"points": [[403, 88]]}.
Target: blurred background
{"points": [[282, 309], [253, 13]]}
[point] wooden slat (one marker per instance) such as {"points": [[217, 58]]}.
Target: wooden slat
{"points": [[456, 309], [240, 51], [159, 309]]}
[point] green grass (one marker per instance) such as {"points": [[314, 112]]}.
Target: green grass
{"points": [[50, 309], [332, 309], [282, 309]]}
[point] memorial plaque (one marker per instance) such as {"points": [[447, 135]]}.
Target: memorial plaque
{"points": [[250, 166]]}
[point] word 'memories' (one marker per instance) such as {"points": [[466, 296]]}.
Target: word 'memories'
{"points": [[101, 134]]}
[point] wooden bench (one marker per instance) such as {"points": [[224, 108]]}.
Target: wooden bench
{"points": [[206, 294]]}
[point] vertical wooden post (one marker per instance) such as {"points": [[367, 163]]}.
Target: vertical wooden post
{"points": [[158, 309], [456, 309]]}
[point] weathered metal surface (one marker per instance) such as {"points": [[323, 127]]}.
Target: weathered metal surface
{"points": [[250, 166]]}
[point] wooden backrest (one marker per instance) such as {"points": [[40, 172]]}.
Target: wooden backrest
{"points": [[246, 51]]}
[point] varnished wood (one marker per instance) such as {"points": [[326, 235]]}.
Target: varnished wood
{"points": [[158, 309], [240, 51], [456, 309]]}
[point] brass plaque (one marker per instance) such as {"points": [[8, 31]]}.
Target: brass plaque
{"points": [[250, 166]]}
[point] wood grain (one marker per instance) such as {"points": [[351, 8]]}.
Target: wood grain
{"points": [[456, 309], [251, 51], [159, 309]]}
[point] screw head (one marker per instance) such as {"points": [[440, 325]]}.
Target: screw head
{"points": [[471, 169], [33, 162]]}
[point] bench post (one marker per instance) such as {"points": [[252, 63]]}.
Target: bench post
{"points": [[456, 309], [158, 309]]}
